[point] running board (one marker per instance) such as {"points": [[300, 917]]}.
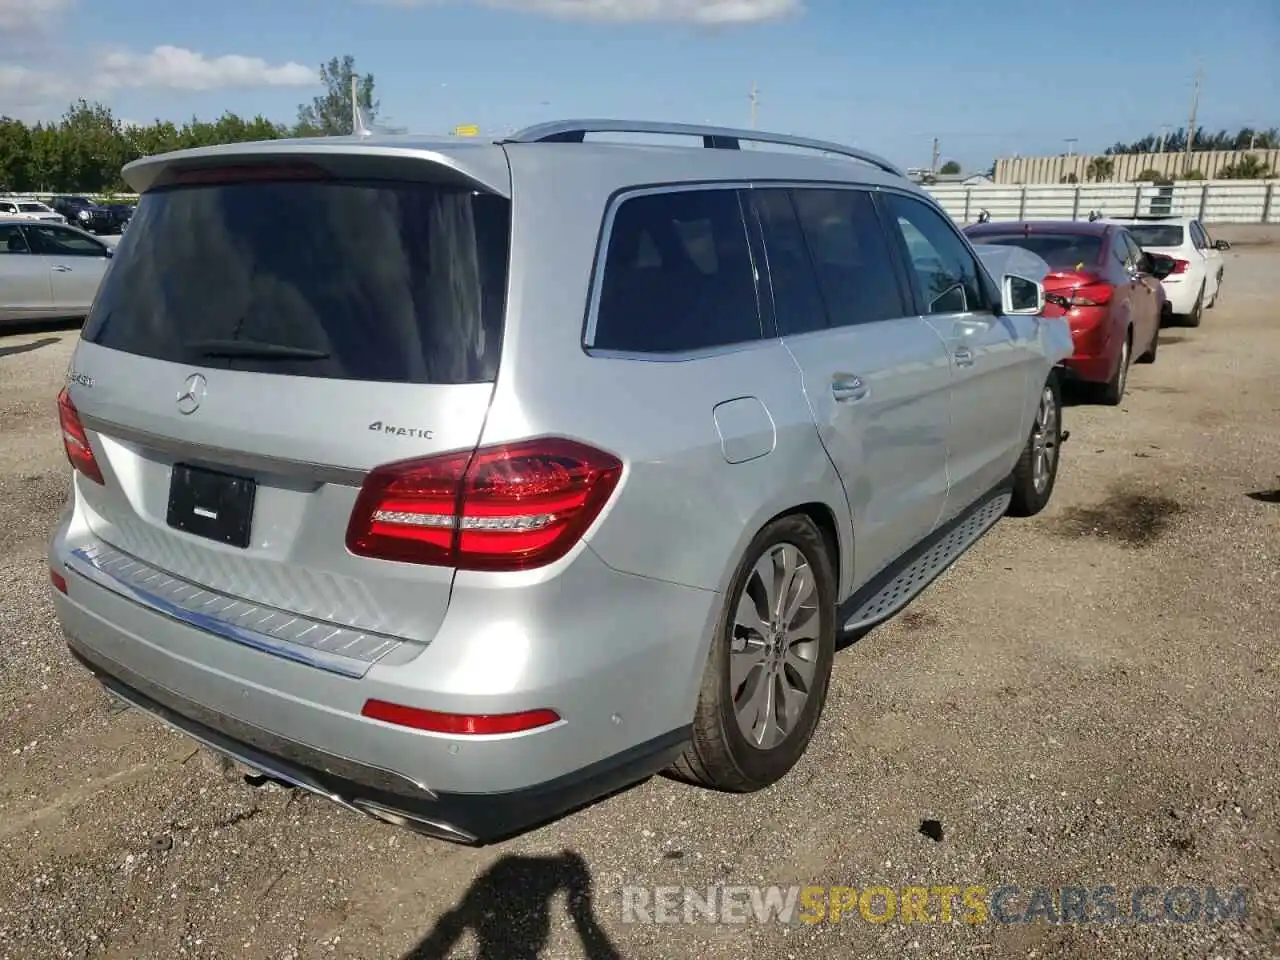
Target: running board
{"points": [[906, 579]]}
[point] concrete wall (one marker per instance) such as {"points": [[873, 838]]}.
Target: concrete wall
{"points": [[1212, 201], [1126, 166]]}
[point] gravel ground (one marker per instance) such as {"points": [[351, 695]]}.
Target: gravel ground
{"points": [[1088, 698]]}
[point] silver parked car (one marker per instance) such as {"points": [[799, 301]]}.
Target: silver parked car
{"points": [[464, 483], [48, 271]]}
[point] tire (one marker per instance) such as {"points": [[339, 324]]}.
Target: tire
{"points": [[1193, 318], [1033, 485], [1113, 389], [720, 755], [1150, 355]]}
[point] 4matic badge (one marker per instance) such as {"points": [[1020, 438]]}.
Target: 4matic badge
{"points": [[381, 427]]}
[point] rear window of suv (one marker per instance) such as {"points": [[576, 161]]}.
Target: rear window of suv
{"points": [[354, 280], [1156, 234], [1061, 251]]}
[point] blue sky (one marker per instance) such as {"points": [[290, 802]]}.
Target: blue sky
{"points": [[988, 79]]}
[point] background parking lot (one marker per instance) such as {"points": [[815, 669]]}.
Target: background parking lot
{"points": [[1088, 697]]}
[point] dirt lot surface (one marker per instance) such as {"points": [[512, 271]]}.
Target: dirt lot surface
{"points": [[1090, 697]]}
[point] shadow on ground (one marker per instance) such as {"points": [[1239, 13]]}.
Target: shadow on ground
{"points": [[14, 349], [508, 908]]}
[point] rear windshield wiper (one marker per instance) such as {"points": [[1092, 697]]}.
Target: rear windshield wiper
{"points": [[254, 351]]}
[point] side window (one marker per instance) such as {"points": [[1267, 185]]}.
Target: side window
{"points": [[8, 208], [54, 241], [797, 299], [678, 275], [946, 274], [1198, 235], [851, 256], [12, 240]]}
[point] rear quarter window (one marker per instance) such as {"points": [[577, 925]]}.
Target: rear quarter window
{"points": [[374, 281], [677, 275]]}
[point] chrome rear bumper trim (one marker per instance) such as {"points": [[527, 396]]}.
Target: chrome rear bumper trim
{"points": [[325, 646]]}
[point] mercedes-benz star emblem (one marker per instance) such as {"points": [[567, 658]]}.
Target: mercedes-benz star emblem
{"points": [[192, 393]]}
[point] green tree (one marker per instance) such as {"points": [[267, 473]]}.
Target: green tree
{"points": [[1152, 175], [1248, 167], [949, 167], [330, 114]]}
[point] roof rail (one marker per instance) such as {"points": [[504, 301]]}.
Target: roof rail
{"points": [[722, 138]]}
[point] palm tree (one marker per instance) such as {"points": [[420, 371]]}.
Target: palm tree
{"points": [[1099, 169]]}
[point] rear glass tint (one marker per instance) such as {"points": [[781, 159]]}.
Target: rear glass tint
{"points": [[375, 281], [1062, 251], [678, 275], [1156, 234]]}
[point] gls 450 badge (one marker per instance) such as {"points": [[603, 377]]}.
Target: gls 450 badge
{"points": [[381, 427]]}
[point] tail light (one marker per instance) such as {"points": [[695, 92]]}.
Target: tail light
{"points": [[58, 580], [1179, 266], [1090, 295], [74, 439], [507, 507]]}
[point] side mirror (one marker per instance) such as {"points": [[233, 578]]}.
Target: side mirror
{"points": [[1021, 296], [1221, 245], [1158, 265]]}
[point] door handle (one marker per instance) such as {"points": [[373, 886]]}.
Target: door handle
{"points": [[61, 268], [848, 388], [963, 357]]}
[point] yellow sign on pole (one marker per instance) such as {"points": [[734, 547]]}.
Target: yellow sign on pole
{"points": [[467, 130]]}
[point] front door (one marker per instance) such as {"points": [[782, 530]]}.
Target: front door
{"points": [[76, 265], [875, 376], [25, 291], [991, 357]]}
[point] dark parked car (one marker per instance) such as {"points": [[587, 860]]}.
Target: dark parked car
{"points": [[85, 214], [121, 213]]}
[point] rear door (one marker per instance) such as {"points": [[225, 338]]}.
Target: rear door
{"points": [[990, 355], [1212, 259], [875, 376], [25, 291], [76, 265], [263, 341], [1146, 304]]}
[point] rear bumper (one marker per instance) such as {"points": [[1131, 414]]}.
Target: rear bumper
{"points": [[1094, 355], [471, 819], [1181, 295], [618, 658], [1088, 369]]}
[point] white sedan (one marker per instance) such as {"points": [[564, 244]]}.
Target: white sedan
{"points": [[1196, 280], [48, 271], [24, 209]]}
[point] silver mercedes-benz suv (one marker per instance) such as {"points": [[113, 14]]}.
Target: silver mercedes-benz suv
{"points": [[464, 483]]}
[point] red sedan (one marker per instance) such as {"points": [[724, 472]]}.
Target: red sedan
{"points": [[1106, 285]]}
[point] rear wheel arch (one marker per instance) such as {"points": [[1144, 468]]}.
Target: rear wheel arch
{"points": [[824, 518]]}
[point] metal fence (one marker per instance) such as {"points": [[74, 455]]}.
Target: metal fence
{"points": [[1211, 201]]}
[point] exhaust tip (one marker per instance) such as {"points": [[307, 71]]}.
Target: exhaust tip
{"points": [[432, 828]]}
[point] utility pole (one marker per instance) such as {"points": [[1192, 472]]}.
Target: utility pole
{"points": [[355, 105], [755, 98], [1191, 124], [1071, 145], [1164, 135]]}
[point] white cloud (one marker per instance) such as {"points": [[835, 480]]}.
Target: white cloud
{"points": [[177, 68], [16, 15], [22, 87], [708, 12]]}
